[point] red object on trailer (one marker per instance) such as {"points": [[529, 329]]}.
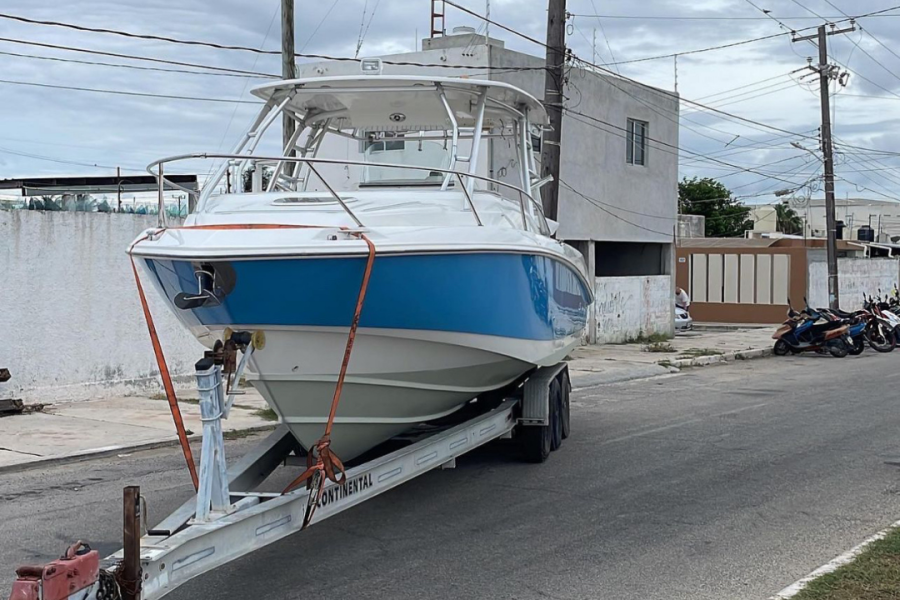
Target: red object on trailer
{"points": [[77, 569]]}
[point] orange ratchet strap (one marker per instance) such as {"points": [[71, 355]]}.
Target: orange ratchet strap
{"points": [[321, 462], [166, 378]]}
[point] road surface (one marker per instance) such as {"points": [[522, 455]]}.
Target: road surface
{"points": [[716, 483]]}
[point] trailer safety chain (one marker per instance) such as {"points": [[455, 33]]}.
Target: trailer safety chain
{"points": [[108, 588], [321, 462], [125, 587]]}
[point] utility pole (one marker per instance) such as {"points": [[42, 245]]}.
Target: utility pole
{"points": [[553, 102], [288, 65], [826, 72]]}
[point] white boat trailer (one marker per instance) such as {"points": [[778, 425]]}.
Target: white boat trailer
{"points": [[228, 519]]}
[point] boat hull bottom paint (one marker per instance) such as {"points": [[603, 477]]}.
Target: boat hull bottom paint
{"points": [[393, 383]]}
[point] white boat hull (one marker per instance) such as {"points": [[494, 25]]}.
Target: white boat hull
{"points": [[396, 379]]}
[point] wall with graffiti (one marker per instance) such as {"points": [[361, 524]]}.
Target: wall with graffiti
{"points": [[627, 308]]}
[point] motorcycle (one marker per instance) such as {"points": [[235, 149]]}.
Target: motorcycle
{"points": [[803, 332], [856, 323], [884, 328]]}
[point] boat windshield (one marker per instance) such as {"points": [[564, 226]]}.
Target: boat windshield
{"points": [[413, 151]]}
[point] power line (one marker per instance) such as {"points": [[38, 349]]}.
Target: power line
{"points": [[681, 18], [362, 34], [126, 93], [141, 36], [604, 69], [136, 67], [668, 145], [605, 37], [256, 50], [133, 57], [500, 25], [699, 50], [596, 203]]}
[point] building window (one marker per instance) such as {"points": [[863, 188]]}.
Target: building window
{"points": [[636, 142]]}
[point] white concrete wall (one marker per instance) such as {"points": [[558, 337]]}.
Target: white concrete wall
{"points": [[628, 307], [855, 276], [70, 316]]}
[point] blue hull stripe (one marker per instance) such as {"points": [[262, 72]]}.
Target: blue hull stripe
{"points": [[510, 295]]}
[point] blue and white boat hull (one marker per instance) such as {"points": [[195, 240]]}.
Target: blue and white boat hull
{"points": [[436, 330]]}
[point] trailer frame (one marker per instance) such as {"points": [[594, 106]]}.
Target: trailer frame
{"points": [[206, 533]]}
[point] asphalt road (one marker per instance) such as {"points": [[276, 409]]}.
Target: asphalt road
{"points": [[717, 483]]}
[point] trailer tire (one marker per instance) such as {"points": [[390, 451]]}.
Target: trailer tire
{"points": [[556, 409], [566, 404]]}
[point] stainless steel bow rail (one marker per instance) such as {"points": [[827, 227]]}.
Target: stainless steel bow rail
{"points": [[528, 205], [228, 518]]}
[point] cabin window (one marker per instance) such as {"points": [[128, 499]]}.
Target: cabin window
{"points": [[388, 147], [382, 141], [636, 142]]}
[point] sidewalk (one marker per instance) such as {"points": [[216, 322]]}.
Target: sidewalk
{"points": [[77, 430], [613, 363], [74, 430]]}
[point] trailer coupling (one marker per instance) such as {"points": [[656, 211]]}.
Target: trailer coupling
{"points": [[76, 574]]}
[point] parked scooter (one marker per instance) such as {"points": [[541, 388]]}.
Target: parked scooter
{"points": [[803, 332], [884, 329], [856, 322]]}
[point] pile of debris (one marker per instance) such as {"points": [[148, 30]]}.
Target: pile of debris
{"points": [[9, 406]]}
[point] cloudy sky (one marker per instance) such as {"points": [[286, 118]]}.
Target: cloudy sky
{"points": [[47, 130]]}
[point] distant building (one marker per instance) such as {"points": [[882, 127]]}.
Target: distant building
{"points": [[691, 226], [883, 216], [879, 219]]}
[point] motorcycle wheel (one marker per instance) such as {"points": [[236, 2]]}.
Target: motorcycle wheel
{"points": [[880, 338], [781, 348], [837, 348], [856, 345]]}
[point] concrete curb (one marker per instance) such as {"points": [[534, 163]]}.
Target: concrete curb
{"points": [[598, 378], [107, 451], [702, 361], [647, 370], [833, 565]]}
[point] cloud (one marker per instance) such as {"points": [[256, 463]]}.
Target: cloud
{"points": [[132, 131]]}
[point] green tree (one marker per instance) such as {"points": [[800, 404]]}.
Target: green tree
{"points": [[725, 215], [787, 220]]}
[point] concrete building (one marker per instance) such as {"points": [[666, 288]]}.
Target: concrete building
{"points": [[619, 175], [881, 216]]}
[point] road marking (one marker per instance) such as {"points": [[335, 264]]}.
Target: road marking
{"points": [[796, 587]]}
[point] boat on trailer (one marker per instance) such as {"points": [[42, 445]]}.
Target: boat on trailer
{"points": [[468, 291], [461, 293]]}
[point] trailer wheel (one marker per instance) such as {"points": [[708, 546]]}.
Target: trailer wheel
{"points": [[566, 404], [556, 410]]}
